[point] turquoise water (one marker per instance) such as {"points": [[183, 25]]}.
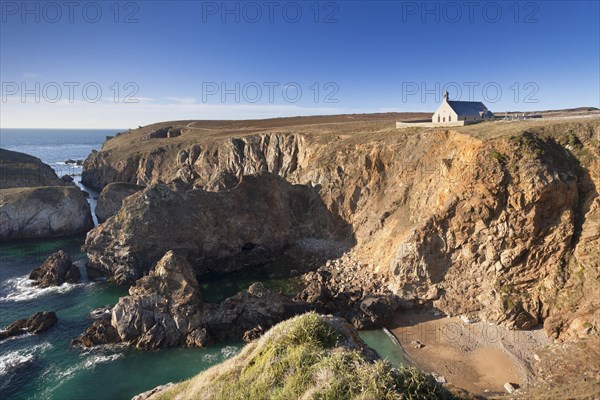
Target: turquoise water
{"points": [[217, 286], [46, 366], [387, 348]]}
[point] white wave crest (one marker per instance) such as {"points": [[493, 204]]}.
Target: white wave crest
{"points": [[209, 358], [14, 359], [17, 337], [87, 363], [21, 289], [92, 361], [229, 351], [59, 376]]}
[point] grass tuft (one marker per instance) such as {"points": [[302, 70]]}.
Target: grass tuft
{"points": [[304, 358]]}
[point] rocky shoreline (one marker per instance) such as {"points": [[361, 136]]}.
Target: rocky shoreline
{"points": [[165, 308], [36, 203]]}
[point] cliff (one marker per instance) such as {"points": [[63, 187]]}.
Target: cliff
{"points": [[493, 221], [42, 212], [215, 230], [22, 170]]}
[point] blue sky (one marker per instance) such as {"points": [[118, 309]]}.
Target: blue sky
{"points": [[108, 64]]}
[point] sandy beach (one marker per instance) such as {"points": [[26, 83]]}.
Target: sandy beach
{"points": [[478, 357]]}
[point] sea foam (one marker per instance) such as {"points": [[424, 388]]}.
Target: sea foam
{"points": [[22, 289], [17, 358]]}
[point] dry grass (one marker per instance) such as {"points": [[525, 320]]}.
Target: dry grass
{"points": [[303, 358]]}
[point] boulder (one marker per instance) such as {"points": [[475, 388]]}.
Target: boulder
{"points": [[55, 271], [509, 387], [98, 333], [111, 198], [67, 178], [163, 308], [376, 310], [41, 321], [41, 212], [249, 313], [37, 323]]}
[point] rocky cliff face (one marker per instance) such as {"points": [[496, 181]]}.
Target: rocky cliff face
{"points": [[22, 170], [212, 165], [163, 309], [495, 221], [111, 199], [215, 230], [42, 212], [36, 203]]}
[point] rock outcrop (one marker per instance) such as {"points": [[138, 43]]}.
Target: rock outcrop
{"points": [[43, 212], [55, 271], [111, 199], [165, 309], [20, 170], [147, 394], [98, 333], [359, 303], [36, 203], [215, 230], [37, 323], [249, 313]]}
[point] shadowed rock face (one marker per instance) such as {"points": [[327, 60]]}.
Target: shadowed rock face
{"points": [[37, 323], [214, 230], [22, 170], [165, 309], [111, 198], [56, 270]]}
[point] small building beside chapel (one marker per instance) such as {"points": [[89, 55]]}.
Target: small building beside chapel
{"points": [[455, 112]]}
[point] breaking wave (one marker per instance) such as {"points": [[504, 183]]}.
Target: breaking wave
{"points": [[21, 289], [18, 358]]}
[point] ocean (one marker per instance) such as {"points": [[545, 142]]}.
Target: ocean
{"points": [[46, 366]]}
